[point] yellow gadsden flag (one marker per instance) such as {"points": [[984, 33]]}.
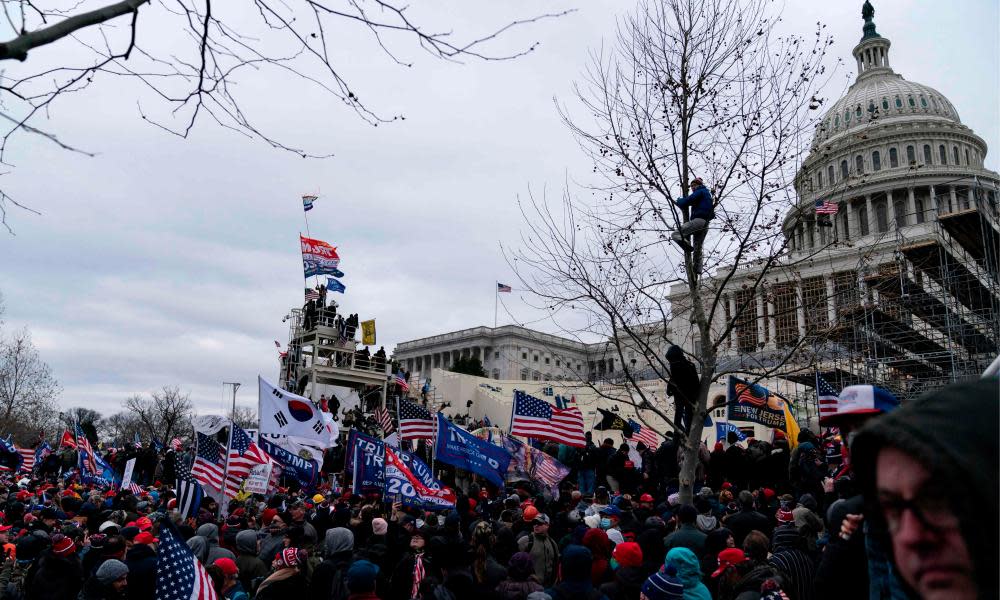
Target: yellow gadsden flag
{"points": [[368, 332], [791, 428]]}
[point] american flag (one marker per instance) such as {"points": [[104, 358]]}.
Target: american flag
{"points": [[27, 459], [415, 421], [83, 445], [385, 421], [502, 287], [827, 396], [534, 418], [176, 444], [418, 575], [547, 469], [189, 492], [179, 575], [312, 295], [135, 488], [208, 465], [646, 435], [243, 456], [401, 382], [825, 207]]}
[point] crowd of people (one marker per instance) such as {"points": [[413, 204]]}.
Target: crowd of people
{"points": [[906, 509]]}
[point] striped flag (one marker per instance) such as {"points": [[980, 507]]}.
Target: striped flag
{"points": [[307, 202], [825, 207], [535, 418], [646, 435], [176, 444], [135, 488], [179, 575], [312, 295], [27, 459], [189, 492], [401, 382], [415, 421], [208, 464], [88, 460], [385, 421], [503, 288], [827, 396], [244, 455]]}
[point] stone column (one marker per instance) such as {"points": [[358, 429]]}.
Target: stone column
{"points": [[761, 322], [831, 300], [952, 198], [972, 196], [772, 324], [853, 231], [872, 220], [800, 311], [911, 205]]}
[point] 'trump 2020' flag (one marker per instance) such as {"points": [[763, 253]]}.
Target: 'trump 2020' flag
{"points": [[179, 575], [535, 418], [461, 449], [318, 257], [399, 481], [284, 413]]}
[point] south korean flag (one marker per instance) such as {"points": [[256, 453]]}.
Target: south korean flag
{"points": [[284, 413]]}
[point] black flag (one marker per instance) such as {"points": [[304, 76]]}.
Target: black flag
{"points": [[611, 420]]}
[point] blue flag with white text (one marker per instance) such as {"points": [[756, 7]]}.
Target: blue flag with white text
{"points": [[459, 448]]}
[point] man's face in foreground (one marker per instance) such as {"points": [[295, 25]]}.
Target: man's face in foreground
{"points": [[929, 550]]}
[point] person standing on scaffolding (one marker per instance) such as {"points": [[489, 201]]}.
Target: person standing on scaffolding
{"points": [[702, 208]]}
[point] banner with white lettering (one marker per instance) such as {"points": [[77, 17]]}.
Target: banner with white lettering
{"points": [[127, 477], [258, 479], [402, 484]]}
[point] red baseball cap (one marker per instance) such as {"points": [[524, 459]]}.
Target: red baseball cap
{"points": [[145, 538], [4, 528], [227, 566], [144, 523], [645, 498], [729, 557]]}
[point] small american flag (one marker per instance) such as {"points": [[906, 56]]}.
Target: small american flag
{"points": [[825, 207], [418, 576], [535, 418], [243, 456], [646, 435], [179, 575], [135, 488], [28, 459], [311, 295], [83, 444], [385, 421], [827, 396], [176, 444], [401, 382], [207, 467], [503, 287], [415, 421]]}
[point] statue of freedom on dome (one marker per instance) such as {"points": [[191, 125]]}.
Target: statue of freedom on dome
{"points": [[867, 11]]}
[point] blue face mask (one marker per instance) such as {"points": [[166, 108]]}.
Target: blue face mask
{"points": [[605, 523]]}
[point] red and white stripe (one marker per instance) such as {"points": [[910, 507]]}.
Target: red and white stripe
{"points": [[203, 589], [207, 473], [28, 454], [565, 427], [647, 436], [239, 467]]}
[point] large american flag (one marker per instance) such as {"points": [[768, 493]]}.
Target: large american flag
{"points": [[825, 207], [208, 464], [179, 575], [189, 492], [243, 456], [535, 418], [415, 421], [646, 435], [27, 459], [827, 396]]}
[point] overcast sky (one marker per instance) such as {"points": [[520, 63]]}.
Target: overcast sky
{"points": [[164, 261]]}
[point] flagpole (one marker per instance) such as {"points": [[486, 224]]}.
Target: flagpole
{"points": [[496, 300]]}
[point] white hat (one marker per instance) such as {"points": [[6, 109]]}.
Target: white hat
{"points": [[108, 525]]}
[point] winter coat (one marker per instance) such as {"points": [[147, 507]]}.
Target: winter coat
{"points": [[518, 590], [596, 540], [746, 521], [545, 554], [338, 546], [689, 572], [687, 536], [141, 563], [250, 566], [93, 589], [627, 584], [700, 203], [210, 532], [54, 577]]}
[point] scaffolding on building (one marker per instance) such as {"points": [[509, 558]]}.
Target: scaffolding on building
{"points": [[916, 314]]}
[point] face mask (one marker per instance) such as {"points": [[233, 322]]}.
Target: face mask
{"points": [[605, 523]]}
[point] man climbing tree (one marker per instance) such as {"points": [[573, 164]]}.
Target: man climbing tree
{"points": [[702, 209]]}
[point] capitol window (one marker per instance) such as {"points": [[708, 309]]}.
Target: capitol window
{"points": [[893, 158], [881, 216], [843, 169], [967, 157], [819, 179], [871, 107], [829, 170], [899, 213], [876, 161], [885, 103], [857, 112], [923, 102], [862, 212], [943, 154], [918, 204], [912, 102], [859, 164], [927, 154], [836, 121], [911, 155], [847, 116], [899, 103], [954, 154]]}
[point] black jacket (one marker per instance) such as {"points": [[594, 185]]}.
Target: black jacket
{"points": [[141, 563]]}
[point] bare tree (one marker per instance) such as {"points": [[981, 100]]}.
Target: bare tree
{"points": [[28, 391], [704, 88], [122, 426], [245, 417], [162, 414], [188, 58]]}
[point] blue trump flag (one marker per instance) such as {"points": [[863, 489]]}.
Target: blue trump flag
{"points": [[461, 449], [722, 431], [332, 285]]}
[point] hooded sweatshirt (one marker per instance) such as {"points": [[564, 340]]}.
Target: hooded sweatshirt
{"points": [[338, 547], [689, 572], [251, 567], [961, 456], [210, 532], [596, 540]]}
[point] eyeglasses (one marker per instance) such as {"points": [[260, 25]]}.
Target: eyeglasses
{"points": [[932, 510]]}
